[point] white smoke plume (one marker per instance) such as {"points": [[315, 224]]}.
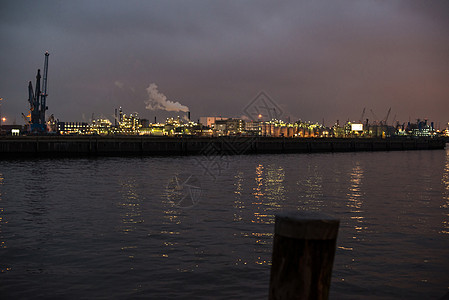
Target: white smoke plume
{"points": [[119, 84], [158, 101]]}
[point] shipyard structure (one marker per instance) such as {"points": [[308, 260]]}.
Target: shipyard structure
{"points": [[132, 124], [128, 133], [124, 124], [214, 147]]}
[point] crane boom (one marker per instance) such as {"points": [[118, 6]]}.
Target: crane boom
{"points": [[37, 100], [388, 114], [374, 115], [44, 91], [363, 114]]}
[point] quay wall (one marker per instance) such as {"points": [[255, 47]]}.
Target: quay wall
{"points": [[144, 145]]}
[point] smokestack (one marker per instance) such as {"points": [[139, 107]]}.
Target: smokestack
{"points": [[155, 120], [115, 122], [188, 116]]}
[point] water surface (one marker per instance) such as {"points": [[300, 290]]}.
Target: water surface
{"points": [[114, 228]]}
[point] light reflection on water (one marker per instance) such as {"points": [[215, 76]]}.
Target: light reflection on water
{"points": [[130, 205], [355, 199], [310, 188], [392, 242], [239, 204], [131, 214], [445, 205], [269, 193], [3, 265]]}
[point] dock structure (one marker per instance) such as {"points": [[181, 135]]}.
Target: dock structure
{"points": [[147, 145], [303, 255]]}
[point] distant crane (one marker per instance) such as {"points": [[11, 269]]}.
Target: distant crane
{"points": [[374, 115], [395, 121], [26, 118], [386, 118], [363, 114], [37, 100], [44, 90]]}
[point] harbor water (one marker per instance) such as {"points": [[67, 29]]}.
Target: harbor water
{"points": [[201, 227]]}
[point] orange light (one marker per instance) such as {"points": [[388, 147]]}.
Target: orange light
{"points": [[3, 119], [260, 116]]}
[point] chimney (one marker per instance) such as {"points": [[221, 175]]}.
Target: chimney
{"points": [[188, 115]]}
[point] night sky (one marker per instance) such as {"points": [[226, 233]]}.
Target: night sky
{"points": [[316, 59]]}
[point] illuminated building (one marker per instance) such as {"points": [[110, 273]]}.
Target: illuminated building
{"points": [[129, 124], [11, 129], [144, 123], [235, 126], [277, 128], [73, 128], [446, 131], [229, 127], [52, 124], [253, 128], [421, 128], [219, 126], [210, 121], [101, 127]]}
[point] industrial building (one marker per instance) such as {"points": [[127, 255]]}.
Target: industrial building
{"points": [[37, 124]]}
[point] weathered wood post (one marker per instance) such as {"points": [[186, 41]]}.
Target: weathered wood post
{"points": [[303, 255]]}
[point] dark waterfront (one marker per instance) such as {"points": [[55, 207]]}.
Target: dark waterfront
{"points": [[117, 228]]}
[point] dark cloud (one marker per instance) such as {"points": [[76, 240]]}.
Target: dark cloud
{"points": [[317, 59]]}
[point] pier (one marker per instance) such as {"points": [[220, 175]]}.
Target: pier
{"points": [[144, 145], [303, 254]]}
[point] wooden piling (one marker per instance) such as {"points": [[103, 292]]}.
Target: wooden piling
{"points": [[303, 255]]}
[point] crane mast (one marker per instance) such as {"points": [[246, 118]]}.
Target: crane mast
{"points": [[44, 91], [37, 100]]}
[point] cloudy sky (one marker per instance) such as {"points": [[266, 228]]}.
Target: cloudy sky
{"points": [[315, 59]]}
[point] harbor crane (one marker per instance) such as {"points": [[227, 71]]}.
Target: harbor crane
{"points": [[37, 100], [363, 115], [386, 118], [375, 117]]}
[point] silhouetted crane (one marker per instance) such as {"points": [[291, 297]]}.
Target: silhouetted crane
{"points": [[37, 100], [376, 119], [363, 114], [386, 118]]}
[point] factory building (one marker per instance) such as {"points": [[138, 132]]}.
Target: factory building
{"points": [[253, 128], [101, 127], [210, 121], [229, 127], [72, 128]]}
